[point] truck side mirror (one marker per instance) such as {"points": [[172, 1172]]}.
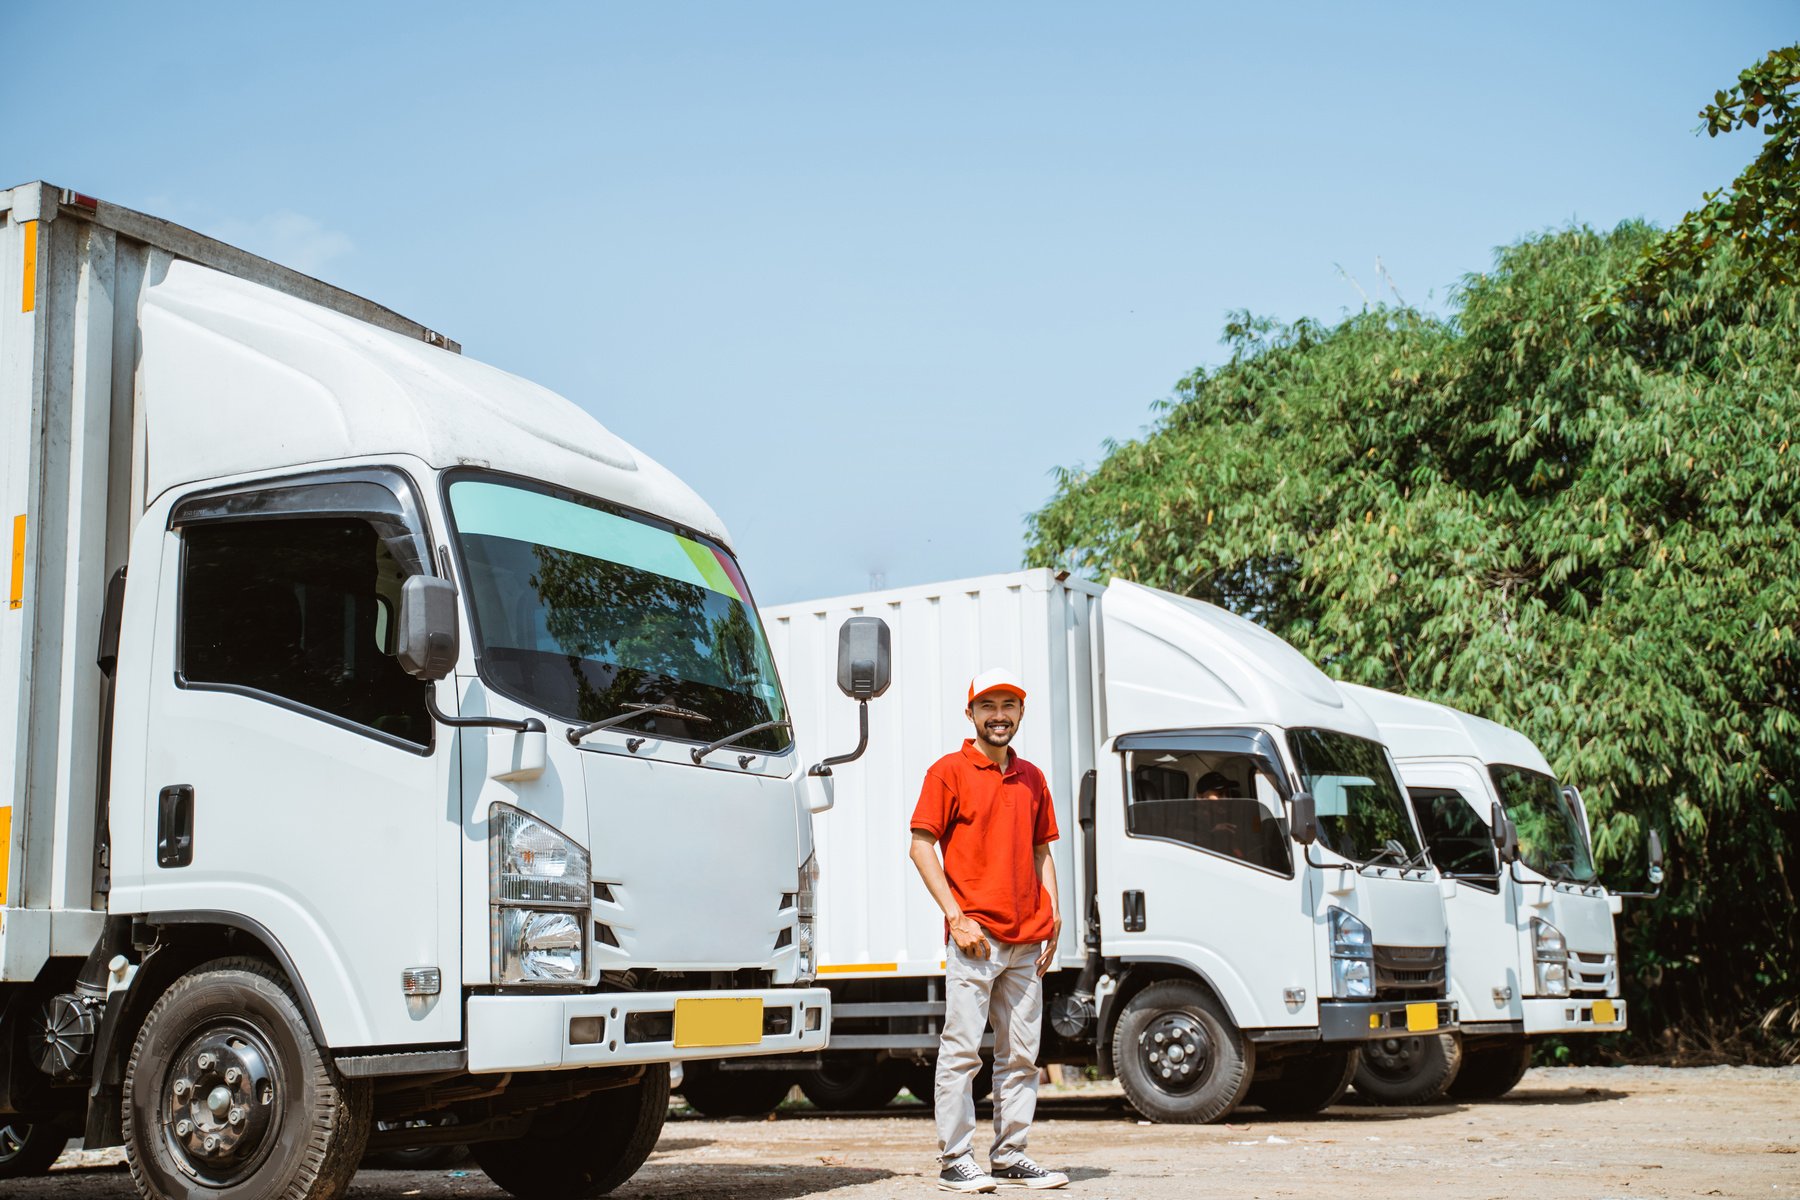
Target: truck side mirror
{"points": [[865, 658], [1656, 858], [1498, 828], [1306, 818], [426, 642]]}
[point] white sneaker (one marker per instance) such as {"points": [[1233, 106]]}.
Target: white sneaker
{"points": [[1023, 1173], [964, 1176]]}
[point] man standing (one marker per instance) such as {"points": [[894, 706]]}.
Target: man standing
{"points": [[990, 812]]}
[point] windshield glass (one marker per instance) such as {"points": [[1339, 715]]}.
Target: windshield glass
{"points": [[1551, 840], [1459, 839], [582, 608], [1355, 794]]}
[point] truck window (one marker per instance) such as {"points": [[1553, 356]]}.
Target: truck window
{"points": [[1224, 804], [1357, 796], [294, 609], [1551, 839], [1457, 837]]}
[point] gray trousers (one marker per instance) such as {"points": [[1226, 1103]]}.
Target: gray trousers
{"points": [[1004, 987]]}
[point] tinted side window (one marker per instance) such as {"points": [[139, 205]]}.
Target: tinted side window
{"points": [[300, 609], [1459, 840], [1225, 804]]}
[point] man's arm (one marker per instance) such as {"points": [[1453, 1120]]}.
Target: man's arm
{"points": [[969, 936], [1046, 869]]}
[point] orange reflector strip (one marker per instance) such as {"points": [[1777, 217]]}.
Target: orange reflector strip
{"points": [[849, 968], [16, 597], [28, 302], [5, 849]]}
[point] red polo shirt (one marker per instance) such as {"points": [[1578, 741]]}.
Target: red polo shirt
{"points": [[989, 823]]}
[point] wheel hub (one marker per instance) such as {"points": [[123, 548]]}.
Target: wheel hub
{"points": [[220, 1102], [1395, 1058], [1175, 1050]]}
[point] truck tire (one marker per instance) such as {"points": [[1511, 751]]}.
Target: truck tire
{"points": [[1307, 1084], [849, 1082], [1416, 1069], [1179, 1056], [1491, 1068], [28, 1148], [229, 1039], [583, 1147], [715, 1093]]}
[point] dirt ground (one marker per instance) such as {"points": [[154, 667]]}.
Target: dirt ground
{"points": [[1567, 1132]]}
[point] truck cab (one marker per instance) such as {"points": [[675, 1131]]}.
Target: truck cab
{"points": [[396, 744], [1531, 922]]}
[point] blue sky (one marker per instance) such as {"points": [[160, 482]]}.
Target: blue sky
{"points": [[864, 274]]}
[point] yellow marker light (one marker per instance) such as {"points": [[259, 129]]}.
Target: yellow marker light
{"points": [[1374, 1020], [16, 597], [857, 968], [28, 301], [5, 849]]}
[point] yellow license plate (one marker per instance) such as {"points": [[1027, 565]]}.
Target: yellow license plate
{"points": [[726, 1021], [1604, 1012], [1421, 1018]]}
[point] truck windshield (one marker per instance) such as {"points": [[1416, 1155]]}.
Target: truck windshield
{"points": [[1551, 840], [1357, 798], [583, 608]]}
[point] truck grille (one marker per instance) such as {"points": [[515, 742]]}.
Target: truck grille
{"points": [[1409, 972], [1592, 974]]}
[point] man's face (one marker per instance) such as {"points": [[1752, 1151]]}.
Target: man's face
{"points": [[996, 716]]}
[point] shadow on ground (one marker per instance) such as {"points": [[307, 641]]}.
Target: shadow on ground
{"points": [[746, 1181]]}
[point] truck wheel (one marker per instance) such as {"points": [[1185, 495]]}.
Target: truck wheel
{"points": [[1179, 1057], [584, 1147], [1408, 1070], [227, 1094], [1491, 1068], [715, 1093], [851, 1082], [1307, 1084], [29, 1149]]}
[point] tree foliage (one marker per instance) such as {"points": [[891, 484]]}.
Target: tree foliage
{"points": [[1758, 215], [1584, 530]]}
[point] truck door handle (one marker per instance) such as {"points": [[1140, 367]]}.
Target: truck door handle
{"points": [[1134, 912], [175, 825]]}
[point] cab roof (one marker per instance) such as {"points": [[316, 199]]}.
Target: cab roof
{"points": [[1415, 728]]}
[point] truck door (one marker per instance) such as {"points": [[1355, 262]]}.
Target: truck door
{"points": [[1197, 867], [1452, 803], [296, 787]]}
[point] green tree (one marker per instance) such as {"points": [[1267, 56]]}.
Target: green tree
{"points": [[1584, 530]]}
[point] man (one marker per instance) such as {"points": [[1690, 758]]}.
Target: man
{"points": [[990, 811]]}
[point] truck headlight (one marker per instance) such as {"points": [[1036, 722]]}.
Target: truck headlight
{"points": [[1352, 956], [539, 884], [806, 964], [1551, 953]]}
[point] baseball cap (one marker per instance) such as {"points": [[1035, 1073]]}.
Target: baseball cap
{"points": [[995, 679]]}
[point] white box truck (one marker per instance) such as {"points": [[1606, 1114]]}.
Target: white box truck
{"points": [[1245, 899], [387, 741], [1531, 925]]}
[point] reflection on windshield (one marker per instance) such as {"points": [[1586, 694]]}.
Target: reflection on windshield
{"points": [[1551, 840], [582, 609], [1459, 839], [1355, 794]]}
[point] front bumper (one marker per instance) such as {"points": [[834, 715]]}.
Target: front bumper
{"points": [[1363, 1020], [1573, 1014], [519, 1032]]}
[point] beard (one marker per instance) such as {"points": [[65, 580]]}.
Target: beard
{"points": [[997, 737]]}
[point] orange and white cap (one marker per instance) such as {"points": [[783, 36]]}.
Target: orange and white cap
{"points": [[995, 679]]}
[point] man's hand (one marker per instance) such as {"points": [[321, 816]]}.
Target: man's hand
{"points": [[971, 939], [1047, 955]]}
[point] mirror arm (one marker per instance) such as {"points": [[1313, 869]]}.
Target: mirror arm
{"points": [[862, 743], [1320, 863], [528, 725], [1651, 895]]}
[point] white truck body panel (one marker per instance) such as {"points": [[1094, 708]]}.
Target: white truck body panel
{"points": [[1491, 964], [147, 363]]}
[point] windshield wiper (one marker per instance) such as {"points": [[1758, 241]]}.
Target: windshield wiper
{"points": [[1393, 848], [743, 759], [633, 711]]}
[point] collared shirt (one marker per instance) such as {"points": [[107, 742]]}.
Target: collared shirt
{"points": [[989, 822]]}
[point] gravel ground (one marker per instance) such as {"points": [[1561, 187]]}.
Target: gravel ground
{"points": [[1564, 1132]]}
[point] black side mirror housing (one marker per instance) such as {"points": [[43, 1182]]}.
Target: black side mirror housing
{"points": [[865, 658], [1656, 858], [426, 643], [1306, 818], [1499, 828]]}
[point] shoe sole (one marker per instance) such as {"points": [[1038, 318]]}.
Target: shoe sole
{"points": [[1033, 1185], [969, 1188]]}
